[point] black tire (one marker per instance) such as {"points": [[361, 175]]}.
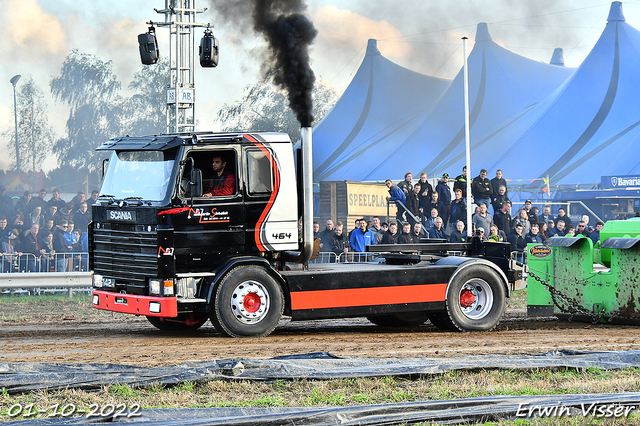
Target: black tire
{"points": [[408, 319], [176, 324], [476, 299], [248, 303], [442, 321]]}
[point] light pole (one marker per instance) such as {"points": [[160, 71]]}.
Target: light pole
{"points": [[14, 81]]}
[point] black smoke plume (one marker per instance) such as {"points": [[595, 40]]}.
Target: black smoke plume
{"points": [[289, 34]]}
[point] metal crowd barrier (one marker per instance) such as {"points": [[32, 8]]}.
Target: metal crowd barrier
{"points": [[59, 262], [350, 257], [356, 257], [49, 280], [31, 274], [325, 257]]}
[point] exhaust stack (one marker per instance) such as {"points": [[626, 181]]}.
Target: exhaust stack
{"points": [[307, 195], [305, 199]]}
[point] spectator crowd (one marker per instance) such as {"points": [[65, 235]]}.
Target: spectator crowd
{"points": [[424, 212], [39, 234]]}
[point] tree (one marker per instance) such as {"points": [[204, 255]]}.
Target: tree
{"points": [[35, 135], [91, 90], [146, 109], [72, 179], [265, 107]]}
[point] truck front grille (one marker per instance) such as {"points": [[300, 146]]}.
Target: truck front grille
{"points": [[128, 256]]}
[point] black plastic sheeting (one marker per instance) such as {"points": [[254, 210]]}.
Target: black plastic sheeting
{"points": [[28, 377], [461, 411]]}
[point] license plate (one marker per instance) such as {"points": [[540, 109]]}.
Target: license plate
{"points": [[121, 300]]}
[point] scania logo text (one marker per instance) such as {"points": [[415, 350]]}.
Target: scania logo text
{"points": [[120, 215]]}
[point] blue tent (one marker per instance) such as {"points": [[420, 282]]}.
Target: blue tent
{"points": [[589, 127], [528, 118], [383, 100]]}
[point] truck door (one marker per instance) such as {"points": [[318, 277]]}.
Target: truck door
{"points": [[215, 226], [259, 192]]}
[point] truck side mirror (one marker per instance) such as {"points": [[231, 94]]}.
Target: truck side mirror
{"points": [[196, 183], [103, 170]]}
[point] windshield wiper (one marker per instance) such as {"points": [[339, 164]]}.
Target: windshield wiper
{"points": [[138, 199], [111, 198]]}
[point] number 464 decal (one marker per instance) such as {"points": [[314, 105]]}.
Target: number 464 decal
{"points": [[282, 236]]}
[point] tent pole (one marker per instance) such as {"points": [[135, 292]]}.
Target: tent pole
{"points": [[466, 135]]}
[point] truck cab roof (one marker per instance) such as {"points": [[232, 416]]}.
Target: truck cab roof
{"points": [[168, 141]]}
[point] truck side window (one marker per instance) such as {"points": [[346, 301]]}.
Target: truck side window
{"points": [[260, 174], [222, 181]]}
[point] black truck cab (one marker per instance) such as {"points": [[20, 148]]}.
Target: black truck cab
{"points": [[160, 228]]}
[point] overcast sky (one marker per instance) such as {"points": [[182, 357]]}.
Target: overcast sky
{"points": [[422, 35]]}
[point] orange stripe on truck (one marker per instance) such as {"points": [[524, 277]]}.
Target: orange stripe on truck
{"points": [[370, 296]]}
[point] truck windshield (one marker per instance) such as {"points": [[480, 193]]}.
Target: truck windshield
{"points": [[144, 174]]}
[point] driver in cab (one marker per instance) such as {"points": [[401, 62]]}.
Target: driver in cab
{"points": [[223, 182]]}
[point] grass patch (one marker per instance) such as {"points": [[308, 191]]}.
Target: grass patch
{"points": [[123, 390], [44, 298], [347, 392], [517, 299], [50, 307]]}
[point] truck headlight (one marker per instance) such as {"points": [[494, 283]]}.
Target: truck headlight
{"points": [[168, 287], [97, 280], [154, 286]]}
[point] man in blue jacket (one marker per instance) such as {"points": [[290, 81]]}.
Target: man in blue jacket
{"points": [[361, 238], [438, 230], [516, 239], [395, 195], [458, 208], [533, 236], [444, 194]]}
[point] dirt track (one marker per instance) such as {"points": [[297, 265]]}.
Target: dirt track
{"points": [[130, 340]]}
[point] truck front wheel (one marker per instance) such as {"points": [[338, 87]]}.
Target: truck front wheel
{"points": [[248, 303]]}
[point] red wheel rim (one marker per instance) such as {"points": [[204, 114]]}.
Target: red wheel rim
{"points": [[467, 298], [251, 302]]}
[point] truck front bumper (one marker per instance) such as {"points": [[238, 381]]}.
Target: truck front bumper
{"points": [[135, 304]]}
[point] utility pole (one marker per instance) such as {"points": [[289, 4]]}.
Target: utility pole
{"points": [[466, 135], [14, 81], [180, 18]]}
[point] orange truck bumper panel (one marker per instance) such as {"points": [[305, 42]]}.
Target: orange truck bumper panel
{"points": [[135, 304]]}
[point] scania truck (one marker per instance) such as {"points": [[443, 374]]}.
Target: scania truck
{"points": [[164, 245]]}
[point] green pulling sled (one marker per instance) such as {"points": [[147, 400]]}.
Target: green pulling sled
{"points": [[572, 279]]}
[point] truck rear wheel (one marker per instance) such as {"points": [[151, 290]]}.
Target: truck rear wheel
{"points": [[476, 300], [177, 324], [408, 319], [248, 303]]}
